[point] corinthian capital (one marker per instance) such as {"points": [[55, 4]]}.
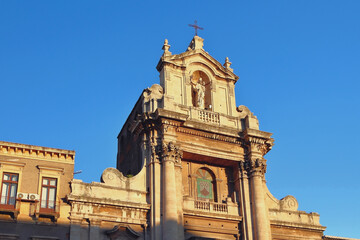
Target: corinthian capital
{"points": [[171, 152], [254, 166]]}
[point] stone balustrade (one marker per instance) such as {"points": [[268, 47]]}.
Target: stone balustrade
{"points": [[210, 206], [208, 116]]}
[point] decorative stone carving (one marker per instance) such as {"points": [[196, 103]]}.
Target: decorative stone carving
{"points": [[171, 152], [250, 120], [256, 165], [123, 232], [244, 111], [227, 64], [166, 48], [289, 203], [112, 177], [199, 90], [155, 91], [154, 152], [196, 43], [258, 144]]}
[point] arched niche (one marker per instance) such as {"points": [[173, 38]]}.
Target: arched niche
{"points": [[201, 90], [205, 185]]}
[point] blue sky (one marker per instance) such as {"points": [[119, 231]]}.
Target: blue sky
{"points": [[71, 71]]}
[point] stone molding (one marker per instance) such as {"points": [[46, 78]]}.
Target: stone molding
{"points": [[212, 136], [23, 150]]}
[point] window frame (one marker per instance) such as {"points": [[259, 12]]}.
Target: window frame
{"points": [[8, 194], [48, 209]]}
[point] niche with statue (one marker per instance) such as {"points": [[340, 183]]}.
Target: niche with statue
{"points": [[201, 94]]}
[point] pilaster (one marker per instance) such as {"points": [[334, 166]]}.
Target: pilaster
{"points": [[155, 191]]}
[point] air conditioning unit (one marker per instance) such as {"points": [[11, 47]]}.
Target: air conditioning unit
{"points": [[22, 195], [34, 197]]}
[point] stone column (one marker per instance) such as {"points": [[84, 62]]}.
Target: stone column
{"points": [[170, 154], [257, 144], [260, 211], [180, 198]]}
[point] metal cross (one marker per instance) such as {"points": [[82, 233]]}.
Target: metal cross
{"points": [[196, 27]]}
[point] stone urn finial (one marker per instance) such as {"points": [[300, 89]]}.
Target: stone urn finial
{"points": [[227, 64], [166, 48]]}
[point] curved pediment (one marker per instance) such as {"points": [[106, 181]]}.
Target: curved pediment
{"points": [[198, 55]]}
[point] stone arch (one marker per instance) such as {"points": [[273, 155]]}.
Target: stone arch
{"points": [[205, 184]]}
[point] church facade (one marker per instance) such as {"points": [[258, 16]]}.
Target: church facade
{"points": [[190, 165]]}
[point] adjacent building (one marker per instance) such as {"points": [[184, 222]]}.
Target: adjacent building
{"points": [[34, 186]]}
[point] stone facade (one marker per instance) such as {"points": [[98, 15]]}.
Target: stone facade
{"points": [[190, 165]]}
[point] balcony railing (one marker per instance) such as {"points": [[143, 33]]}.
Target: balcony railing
{"points": [[202, 205], [210, 206], [208, 116]]}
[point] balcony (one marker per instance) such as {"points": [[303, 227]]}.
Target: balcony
{"points": [[208, 208], [11, 209], [51, 211]]}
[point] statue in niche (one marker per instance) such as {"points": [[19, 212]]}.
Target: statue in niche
{"points": [[199, 96]]}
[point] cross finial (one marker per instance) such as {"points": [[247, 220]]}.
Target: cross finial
{"points": [[196, 27]]}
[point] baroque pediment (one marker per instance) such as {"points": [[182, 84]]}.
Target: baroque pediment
{"points": [[196, 55]]}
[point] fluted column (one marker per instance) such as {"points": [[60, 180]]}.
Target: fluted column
{"points": [[170, 154]]}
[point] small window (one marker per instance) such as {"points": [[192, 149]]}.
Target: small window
{"points": [[48, 194], [9, 189]]}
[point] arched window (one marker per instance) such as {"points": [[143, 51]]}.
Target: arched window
{"points": [[205, 184]]}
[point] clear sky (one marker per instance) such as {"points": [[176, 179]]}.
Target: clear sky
{"points": [[71, 71]]}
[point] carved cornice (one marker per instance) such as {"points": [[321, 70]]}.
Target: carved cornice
{"points": [[23, 150], [256, 141], [212, 136]]}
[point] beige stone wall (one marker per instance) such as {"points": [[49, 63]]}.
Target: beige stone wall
{"points": [[115, 207]]}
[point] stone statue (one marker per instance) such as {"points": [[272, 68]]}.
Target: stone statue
{"points": [[199, 89]]}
